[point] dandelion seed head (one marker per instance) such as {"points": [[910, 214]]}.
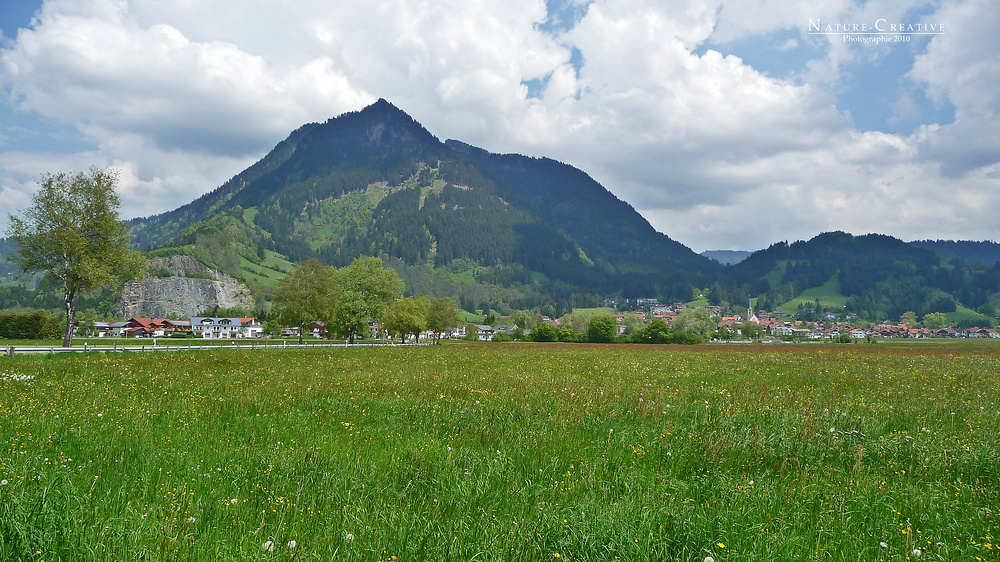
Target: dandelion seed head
{"points": [[292, 544], [268, 546], [917, 553]]}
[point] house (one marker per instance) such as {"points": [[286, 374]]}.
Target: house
{"points": [[118, 329], [226, 328], [103, 329], [317, 329], [782, 330], [485, 332], [175, 326]]}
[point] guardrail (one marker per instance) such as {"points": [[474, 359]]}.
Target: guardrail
{"points": [[10, 351]]}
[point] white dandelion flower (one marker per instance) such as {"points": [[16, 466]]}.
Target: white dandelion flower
{"points": [[292, 544], [268, 546]]}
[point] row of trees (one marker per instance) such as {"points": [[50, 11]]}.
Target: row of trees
{"points": [[604, 329], [346, 299]]}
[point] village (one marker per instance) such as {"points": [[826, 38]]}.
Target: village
{"points": [[772, 327]]}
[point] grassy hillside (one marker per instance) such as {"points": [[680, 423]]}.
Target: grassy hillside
{"points": [[519, 452], [828, 293]]}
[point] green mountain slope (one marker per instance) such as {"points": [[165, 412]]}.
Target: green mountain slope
{"points": [[375, 182], [876, 276]]}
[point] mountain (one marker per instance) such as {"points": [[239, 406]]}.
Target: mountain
{"points": [[986, 252], [877, 276], [376, 182], [726, 257]]}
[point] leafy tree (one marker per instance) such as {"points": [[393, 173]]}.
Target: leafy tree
{"points": [[656, 331], [87, 322], [442, 316], [471, 332], [988, 309], [407, 316], [935, 320], [909, 318], [602, 328], [310, 293], [545, 332], [751, 330], [73, 234], [695, 320], [368, 289], [524, 319], [272, 328]]}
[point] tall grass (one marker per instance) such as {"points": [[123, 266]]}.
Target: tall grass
{"points": [[523, 452]]}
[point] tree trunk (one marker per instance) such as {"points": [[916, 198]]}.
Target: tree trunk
{"points": [[68, 298], [350, 335]]}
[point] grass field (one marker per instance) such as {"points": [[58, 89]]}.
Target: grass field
{"points": [[503, 452]]}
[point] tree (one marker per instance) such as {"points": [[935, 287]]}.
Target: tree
{"points": [[545, 332], [310, 293], [602, 328], [368, 289], [696, 320], [442, 316], [935, 320], [73, 234], [272, 328], [909, 319], [407, 316], [656, 331], [751, 330]]}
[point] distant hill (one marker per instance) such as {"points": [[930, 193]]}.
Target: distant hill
{"points": [[726, 257], [986, 252], [877, 276], [375, 182]]}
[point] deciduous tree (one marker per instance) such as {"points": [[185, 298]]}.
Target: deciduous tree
{"points": [[72, 233], [407, 316], [935, 320], [602, 328], [368, 289], [442, 316], [310, 293]]}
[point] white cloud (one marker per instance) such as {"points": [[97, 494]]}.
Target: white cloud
{"points": [[182, 95]]}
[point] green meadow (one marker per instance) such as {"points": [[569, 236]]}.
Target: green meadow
{"points": [[503, 452]]}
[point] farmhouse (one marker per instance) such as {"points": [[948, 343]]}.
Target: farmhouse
{"points": [[226, 328]]}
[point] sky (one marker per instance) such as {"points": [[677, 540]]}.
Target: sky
{"points": [[727, 125]]}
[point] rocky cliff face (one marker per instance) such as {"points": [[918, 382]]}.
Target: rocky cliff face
{"points": [[191, 288]]}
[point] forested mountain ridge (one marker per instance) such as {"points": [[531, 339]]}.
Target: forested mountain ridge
{"points": [[987, 252], [881, 276], [375, 182]]}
